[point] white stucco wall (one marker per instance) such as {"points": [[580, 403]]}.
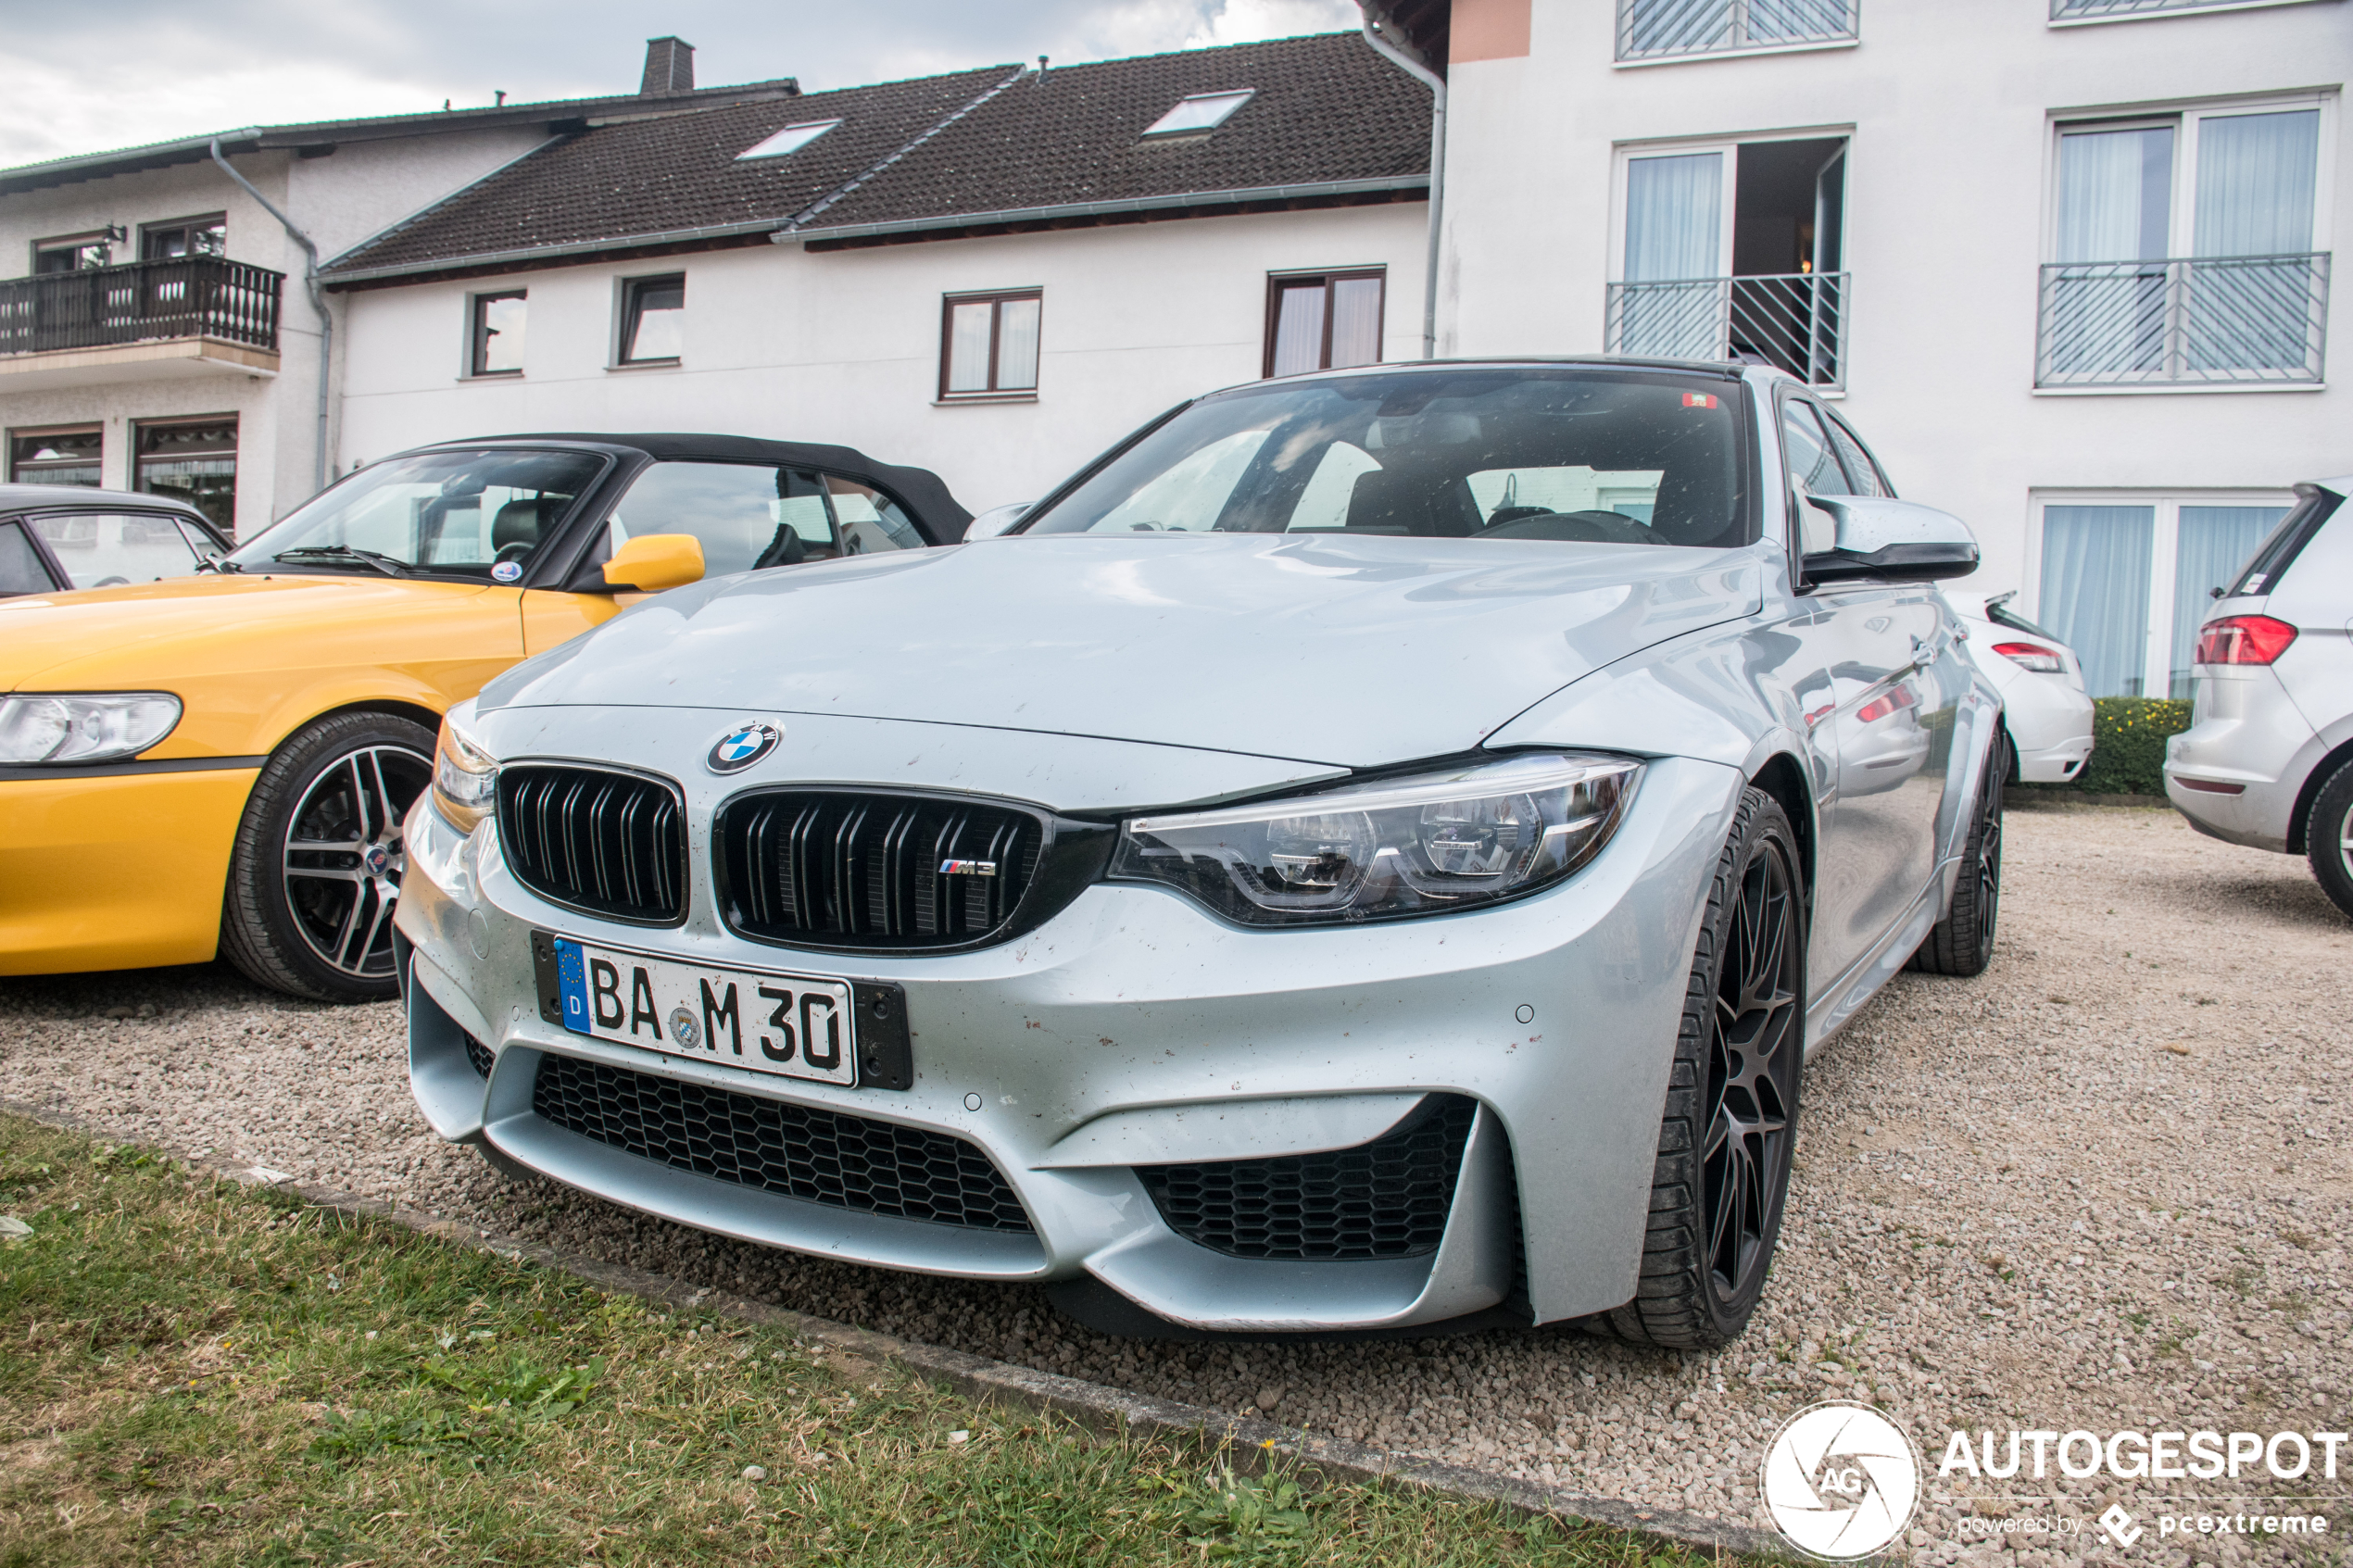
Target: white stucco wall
{"points": [[1950, 107], [844, 345]]}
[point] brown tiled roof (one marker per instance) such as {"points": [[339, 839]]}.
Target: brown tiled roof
{"points": [[1327, 110]]}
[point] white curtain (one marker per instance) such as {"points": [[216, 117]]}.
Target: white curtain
{"points": [[2115, 190], [968, 346], [1355, 322], [2212, 544], [2095, 591], [1017, 345], [1298, 329], [1673, 217], [2256, 174]]}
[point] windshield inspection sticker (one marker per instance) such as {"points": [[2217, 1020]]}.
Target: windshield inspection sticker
{"points": [[507, 570], [1699, 400]]}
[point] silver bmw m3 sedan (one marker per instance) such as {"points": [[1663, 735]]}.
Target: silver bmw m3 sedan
{"points": [[1372, 851]]}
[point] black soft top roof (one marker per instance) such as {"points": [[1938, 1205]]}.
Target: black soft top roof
{"points": [[935, 512]]}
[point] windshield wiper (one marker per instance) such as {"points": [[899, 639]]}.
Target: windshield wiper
{"points": [[383, 563], [218, 563]]}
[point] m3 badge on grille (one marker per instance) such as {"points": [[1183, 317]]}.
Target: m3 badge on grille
{"points": [[741, 747]]}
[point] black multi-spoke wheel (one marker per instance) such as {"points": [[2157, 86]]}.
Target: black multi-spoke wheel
{"points": [[1962, 943], [2328, 837], [1725, 1141], [318, 857]]}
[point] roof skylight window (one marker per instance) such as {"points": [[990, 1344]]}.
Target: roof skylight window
{"points": [[791, 139], [1199, 113]]}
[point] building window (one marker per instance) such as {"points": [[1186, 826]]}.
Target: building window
{"points": [[1735, 251], [2182, 250], [54, 457], [1323, 321], [989, 345], [2122, 10], [184, 237], [2127, 580], [72, 252], [653, 319], [193, 460], [1649, 30], [497, 334]]}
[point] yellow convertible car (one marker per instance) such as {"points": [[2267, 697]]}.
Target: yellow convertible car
{"points": [[221, 764]]}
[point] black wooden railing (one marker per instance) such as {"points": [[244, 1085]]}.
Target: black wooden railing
{"points": [[144, 301]]}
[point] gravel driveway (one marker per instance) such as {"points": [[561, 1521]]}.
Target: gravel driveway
{"points": [[2105, 1186]]}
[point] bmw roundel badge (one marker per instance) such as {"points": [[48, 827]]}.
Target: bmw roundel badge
{"points": [[741, 747]]}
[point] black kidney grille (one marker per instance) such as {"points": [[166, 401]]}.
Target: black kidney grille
{"points": [[865, 870], [612, 844], [480, 1057], [1386, 1199], [819, 1156]]}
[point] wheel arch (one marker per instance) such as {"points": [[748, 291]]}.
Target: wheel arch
{"points": [[416, 712], [1783, 776], [2309, 791]]}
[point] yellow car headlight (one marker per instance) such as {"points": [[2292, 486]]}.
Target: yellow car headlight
{"points": [[83, 726], [465, 779]]}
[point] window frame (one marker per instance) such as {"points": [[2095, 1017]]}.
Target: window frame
{"points": [[138, 428], [164, 226], [631, 314], [103, 238], [478, 332], [997, 299], [9, 438], [2165, 505], [1277, 282]]}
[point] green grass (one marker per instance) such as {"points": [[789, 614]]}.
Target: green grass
{"points": [[191, 1373]]}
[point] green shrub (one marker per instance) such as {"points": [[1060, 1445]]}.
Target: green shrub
{"points": [[2128, 745]]}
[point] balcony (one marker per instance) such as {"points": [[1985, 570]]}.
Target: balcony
{"points": [[2210, 322], [194, 315], [1796, 320], [2100, 10], [1654, 29]]}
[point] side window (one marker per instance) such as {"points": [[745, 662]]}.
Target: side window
{"points": [[20, 569], [1813, 471], [102, 550], [869, 520], [1860, 468], [750, 516]]}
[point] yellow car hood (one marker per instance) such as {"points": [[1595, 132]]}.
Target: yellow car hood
{"points": [[150, 637]]}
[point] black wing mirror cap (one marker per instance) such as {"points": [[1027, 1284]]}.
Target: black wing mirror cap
{"points": [[1879, 538]]}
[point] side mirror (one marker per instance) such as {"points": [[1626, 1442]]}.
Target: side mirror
{"points": [[652, 562], [1889, 541], [995, 521]]}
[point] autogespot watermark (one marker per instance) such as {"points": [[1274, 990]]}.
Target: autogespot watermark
{"points": [[1842, 1481]]}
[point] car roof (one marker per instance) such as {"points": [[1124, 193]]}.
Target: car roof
{"points": [[1716, 369], [22, 496], [938, 512]]}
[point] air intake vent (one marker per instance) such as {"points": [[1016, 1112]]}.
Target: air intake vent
{"points": [[866, 871], [1386, 1199], [819, 1156], [604, 843]]}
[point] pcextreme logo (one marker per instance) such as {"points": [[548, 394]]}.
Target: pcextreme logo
{"points": [[1840, 1480]]}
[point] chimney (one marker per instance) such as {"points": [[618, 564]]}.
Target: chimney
{"points": [[670, 68]]}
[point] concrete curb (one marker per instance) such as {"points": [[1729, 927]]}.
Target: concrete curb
{"points": [[1256, 1445]]}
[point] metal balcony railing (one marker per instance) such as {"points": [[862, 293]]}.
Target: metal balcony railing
{"points": [[1796, 320], [2203, 322], [1657, 28], [144, 301], [2079, 10]]}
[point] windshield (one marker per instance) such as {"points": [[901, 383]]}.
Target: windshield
{"points": [[473, 514], [1575, 456]]}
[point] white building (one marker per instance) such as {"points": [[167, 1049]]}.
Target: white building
{"points": [[993, 274], [2065, 263], [164, 335]]}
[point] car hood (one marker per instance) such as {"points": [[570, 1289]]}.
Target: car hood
{"points": [[1355, 652], [151, 634]]}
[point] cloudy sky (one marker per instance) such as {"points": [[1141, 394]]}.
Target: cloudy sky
{"points": [[89, 75]]}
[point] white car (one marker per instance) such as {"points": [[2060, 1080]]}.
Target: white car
{"points": [[1371, 851], [2044, 706]]}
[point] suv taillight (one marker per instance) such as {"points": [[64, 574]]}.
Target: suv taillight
{"points": [[2243, 639], [2035, 656]]}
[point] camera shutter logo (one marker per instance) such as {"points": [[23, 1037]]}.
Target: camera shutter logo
{"points": [[741, 747], [1840, 1480]]}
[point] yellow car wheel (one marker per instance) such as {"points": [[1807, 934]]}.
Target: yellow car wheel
{"points": [[318, 857]]}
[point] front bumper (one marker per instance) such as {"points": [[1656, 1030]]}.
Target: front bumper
{"points": [[1134, 1029], [102, 869]]}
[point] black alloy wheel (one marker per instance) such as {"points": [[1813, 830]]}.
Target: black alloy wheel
{"points": [[1962, 943], [2328, 837], [1730, 1126], [319, 859]]}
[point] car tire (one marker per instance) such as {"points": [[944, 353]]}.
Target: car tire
{"points": [[1730, 1122], [1962, 943], [2328, 838], [318, 858]]}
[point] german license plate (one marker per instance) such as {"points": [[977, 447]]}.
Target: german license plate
{"points": [[794, 1025]]}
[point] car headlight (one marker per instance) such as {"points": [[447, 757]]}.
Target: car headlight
{"points": [[465, 779], [1454, 840], [83, 726]]}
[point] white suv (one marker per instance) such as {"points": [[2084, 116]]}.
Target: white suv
{"points": [[2267, 759]]}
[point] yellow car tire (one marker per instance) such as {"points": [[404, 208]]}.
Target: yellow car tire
{"points": [[319, 857]]}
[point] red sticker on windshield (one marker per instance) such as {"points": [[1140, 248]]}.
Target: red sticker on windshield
{"points": [[1699, 400]]}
